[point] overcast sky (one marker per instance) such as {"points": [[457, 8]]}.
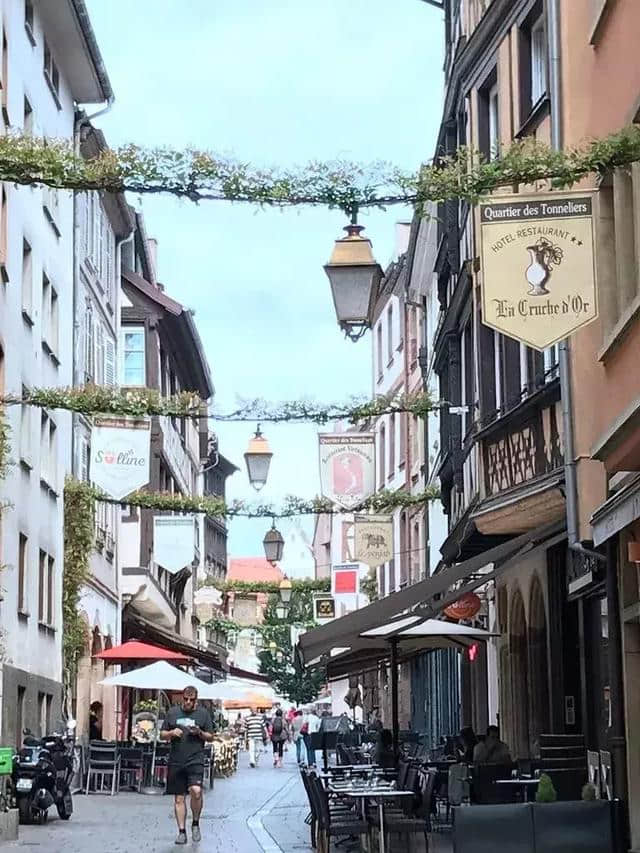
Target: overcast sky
{"points": [[275, 83]]}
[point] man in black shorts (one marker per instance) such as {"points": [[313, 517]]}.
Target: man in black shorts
{"points": [[188, 727]]}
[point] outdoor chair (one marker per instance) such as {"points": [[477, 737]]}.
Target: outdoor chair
{"points": [[331, 822], [606, 778], [161, 764], [593, 770], [412, 828], [131, 767], [484, 790], [103, 763]]}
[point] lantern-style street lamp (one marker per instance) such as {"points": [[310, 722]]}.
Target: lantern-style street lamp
{"points": [[273, 544], [285, 590], [273, 648], [281, 610], [355, 276], [258, 459]]}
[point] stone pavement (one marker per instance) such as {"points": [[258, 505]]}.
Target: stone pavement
{"points": [[259, 810]]}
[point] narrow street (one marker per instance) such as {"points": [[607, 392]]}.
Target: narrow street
{"points": [[250, 812]]}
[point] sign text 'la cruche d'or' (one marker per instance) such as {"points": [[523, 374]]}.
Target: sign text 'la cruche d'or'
{"points": [[538, 266]]}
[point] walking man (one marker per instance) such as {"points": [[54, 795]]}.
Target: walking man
{"points": [[255, 736], [188, 727]]}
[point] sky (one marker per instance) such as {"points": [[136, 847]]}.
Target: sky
{"points": [[274, 84]]}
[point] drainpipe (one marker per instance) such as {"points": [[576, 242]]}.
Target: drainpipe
{"points": [[110, 102], [617, 742]]}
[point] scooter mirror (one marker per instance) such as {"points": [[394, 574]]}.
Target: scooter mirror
{"points": [[71, 725]]}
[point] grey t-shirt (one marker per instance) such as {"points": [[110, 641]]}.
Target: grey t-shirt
{"points": [[189, 749]]}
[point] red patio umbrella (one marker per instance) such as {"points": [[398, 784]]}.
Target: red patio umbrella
{"points": [[133, 650]]}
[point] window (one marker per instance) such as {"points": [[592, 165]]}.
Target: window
{"points": [[379, 349], [27, 120], [28, 20], [46, 589], [550, 356], [392, 445], [51, 75], [85, 452], [5, 79], [538, 61], [4, 231], [403, 440], [25, 433], [494, 128], [27, 282], [381, 457], [390, 334], [51, 578], [48, 453], [49, 316], [89, 346], [133, 372], [23, 556], [42, 576]]}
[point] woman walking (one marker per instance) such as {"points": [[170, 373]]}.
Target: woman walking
{"points": [[278, 737]]}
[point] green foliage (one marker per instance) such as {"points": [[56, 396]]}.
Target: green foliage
{"points": [[212, 506], [110, 400], [269, 587], [79, 513], [148, 705], [5, 445], [199, 175], [369, 585], [546, 793], [589, 792]]}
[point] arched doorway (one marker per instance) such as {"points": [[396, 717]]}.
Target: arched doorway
{"points": [[519, 671], [538, 665]]}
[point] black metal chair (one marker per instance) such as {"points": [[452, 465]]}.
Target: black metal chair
{"points": [[131, 767], [103, 763], [332, 823]]}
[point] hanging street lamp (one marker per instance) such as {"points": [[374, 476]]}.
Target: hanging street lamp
{"points": [[258, 459], [273, 648], [273, 544], [355, 276], [285, 590], [281, 611]]}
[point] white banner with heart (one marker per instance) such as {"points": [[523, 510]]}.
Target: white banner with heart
{"points": [[120, 455]]}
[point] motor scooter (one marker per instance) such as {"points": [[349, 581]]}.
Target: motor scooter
{"points": [[42, 774]]}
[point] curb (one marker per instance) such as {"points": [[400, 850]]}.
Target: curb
{"points": [[254, 822]]}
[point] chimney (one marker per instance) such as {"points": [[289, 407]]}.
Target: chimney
{"points": [[152, 248]]}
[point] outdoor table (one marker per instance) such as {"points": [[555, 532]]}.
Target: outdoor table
{"points": [[525, 784], [379, 794]]}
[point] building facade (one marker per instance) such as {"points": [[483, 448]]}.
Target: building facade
{"points": [[50, 65]]}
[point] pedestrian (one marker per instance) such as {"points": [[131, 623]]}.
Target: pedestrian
{"points": [[188, 727], [491, 750], [278, 737], [313, 727], [298, 734], [255, 736]]}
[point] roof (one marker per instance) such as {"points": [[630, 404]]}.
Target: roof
{"points": [[252, 569]]}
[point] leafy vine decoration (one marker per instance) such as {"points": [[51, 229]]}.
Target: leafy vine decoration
{"points": [[201, 175]]}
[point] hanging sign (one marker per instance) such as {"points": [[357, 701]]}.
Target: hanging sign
{"points": [[347, 467], [373, 539], [174, 541], [345, 579], [538, 266], [466, 607], [324, 608], [120, 455]]}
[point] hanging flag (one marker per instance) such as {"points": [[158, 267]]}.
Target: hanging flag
{"points": [[120, 455], [538, 265], [174, 541], [347, 467], [373, 539]]}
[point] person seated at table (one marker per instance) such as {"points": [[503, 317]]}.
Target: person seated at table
{"points": [[467, 742], [383, 754], [492, 750]]}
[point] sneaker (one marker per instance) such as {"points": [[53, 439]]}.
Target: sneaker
{"points": [[251, 764], [196, 835], [182, 836]]}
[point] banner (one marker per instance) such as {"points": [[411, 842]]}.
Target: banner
{"points": [[345, 579], [373, 539], [324, 608], [347, 467], [538, 266], [174, 541], [120, 455]]}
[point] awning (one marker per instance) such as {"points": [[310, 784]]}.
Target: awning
{"points": [[137, 627], [426, 598], [618, 512], [133, 651]]}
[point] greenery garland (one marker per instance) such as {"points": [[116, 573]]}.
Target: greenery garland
{"points": [[4, 443], [199, 175], [382, 501], [79, 515], [269, 587], [111, 400]]}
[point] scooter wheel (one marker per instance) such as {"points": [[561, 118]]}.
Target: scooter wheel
{"points": [[65, 808], [24, 810]]}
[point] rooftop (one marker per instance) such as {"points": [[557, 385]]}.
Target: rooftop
{"points": [[252, 569]]}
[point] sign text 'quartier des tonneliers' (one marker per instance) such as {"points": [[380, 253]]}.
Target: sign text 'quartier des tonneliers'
{"points": [[538, 266]]}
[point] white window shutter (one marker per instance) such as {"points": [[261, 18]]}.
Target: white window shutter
{"points": [[110, 363], [84, 462], [100, 356]]}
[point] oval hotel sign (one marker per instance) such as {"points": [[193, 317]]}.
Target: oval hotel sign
{"points": [[538, 266]]}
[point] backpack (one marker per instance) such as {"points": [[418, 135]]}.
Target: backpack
{"points": [[276, 728]]}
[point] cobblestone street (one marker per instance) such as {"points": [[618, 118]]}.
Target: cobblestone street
{"points": [[253, 811]]}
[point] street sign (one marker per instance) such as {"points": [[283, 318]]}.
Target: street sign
{"points": [[538, 266], [373, 539], [324, 608]]}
